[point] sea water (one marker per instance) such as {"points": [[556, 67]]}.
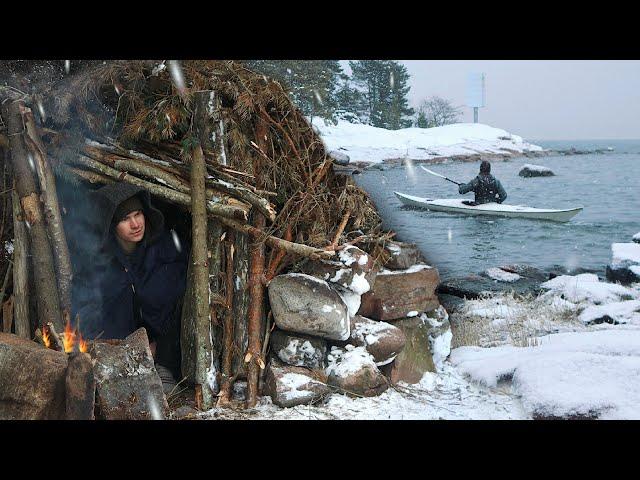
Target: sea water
{"points": [[606, 185]]}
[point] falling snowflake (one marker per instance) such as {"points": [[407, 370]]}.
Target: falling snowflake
{"points": [[177, 76], [31, 164], [67, 66], [176, 241], [318, 97], [391, 80], [43, 115]]}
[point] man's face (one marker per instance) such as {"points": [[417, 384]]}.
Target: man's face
{"points": [[131, 227]]}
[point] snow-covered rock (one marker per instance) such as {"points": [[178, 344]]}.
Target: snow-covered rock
{"points": [[402, 255], [353, 370], [339, 158], [382, 340], [353, 269], [586, 287], [290, 386], [305, 304], [298, 350], [568, 375], [364, 143], [625, 264], [529, 170], [616, 313], [625, 252], [501, 275], [636, 237]]}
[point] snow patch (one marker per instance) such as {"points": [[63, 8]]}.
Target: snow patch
{"points": [[343, 363], [412, 269], [625, 252], [502, 276]]}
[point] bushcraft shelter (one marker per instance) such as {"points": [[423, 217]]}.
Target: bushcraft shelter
{"points": [[235, 167]]}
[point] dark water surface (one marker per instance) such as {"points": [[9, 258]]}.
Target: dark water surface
{"points": [[607, 185]]}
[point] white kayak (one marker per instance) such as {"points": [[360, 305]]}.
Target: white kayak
{"points": [[456, 205]]}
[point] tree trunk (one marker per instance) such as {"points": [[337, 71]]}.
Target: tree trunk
{"points": [[201, 292], [44, 270], [256, 292], [227, 338], [53, 217], [188, 331], [215, 310]]}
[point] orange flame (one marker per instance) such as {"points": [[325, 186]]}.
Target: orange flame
{"points": [[45, 337], [82, 343], [69, 338]]}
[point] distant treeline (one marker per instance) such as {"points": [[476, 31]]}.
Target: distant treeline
{"points": [[375, 93]]}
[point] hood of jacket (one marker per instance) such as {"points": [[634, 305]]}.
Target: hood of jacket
{"points": [[107, 199]]}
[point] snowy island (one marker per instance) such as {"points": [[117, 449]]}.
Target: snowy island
{"points": [[364, 144]]}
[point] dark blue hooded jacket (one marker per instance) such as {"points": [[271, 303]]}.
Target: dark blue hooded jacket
{"points": [[120, 292]]}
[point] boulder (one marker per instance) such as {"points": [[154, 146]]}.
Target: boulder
{"points": [[353, 270], [473, 286], [624, 273], [450, 303], [80, 387], [402, 255], [290, 386], [382, 340], [339, 158], [298, 350], [401, 293], [353, 370], [428, 343], [127, 384], [32, 380], [305, 304], [636, 237], [529, 170]]}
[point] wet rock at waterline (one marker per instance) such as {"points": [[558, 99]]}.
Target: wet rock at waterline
{"points": [[473, 286], [529, 170], [401, 293], [402, 255], [298, 350], [305, 304], [290, 386], [339, 158], [624, 273], [353, 371], [381, 339], [127, 384]]}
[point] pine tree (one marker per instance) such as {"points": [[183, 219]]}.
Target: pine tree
{"points": [[384, 83]]}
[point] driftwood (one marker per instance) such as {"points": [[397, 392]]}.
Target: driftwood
{"points": [[42, 257], [240, 304], [52, 214]]}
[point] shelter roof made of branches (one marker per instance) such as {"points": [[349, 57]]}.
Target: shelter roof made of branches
{"points": [[148, 106]]}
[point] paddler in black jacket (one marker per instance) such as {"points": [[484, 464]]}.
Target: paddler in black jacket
{"points": [[486, 187]]}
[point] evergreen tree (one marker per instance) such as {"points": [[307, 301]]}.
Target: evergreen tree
{"points": [[384, 84]]}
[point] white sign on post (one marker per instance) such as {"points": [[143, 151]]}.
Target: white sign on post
{"points": [[475, 90]]}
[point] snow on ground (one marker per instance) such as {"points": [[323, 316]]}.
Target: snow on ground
{"points": [[364, 143], [625, 252]]}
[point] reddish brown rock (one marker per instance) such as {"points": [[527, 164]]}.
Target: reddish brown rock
{"points": [[354, 372], [402, 255], [32, 380], [401, 293], [382, 340], [353, 269]]}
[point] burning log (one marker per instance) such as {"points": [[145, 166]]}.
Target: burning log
{"points": [[44, 269]]}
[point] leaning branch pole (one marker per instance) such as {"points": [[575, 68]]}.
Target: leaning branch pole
{"points": [[42, 257], [201, 293]]}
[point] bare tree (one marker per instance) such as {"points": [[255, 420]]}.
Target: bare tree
{"points": [[436, 112]]}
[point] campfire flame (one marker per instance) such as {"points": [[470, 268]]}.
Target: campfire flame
{"points": [[68, 338], [45, 337], [82, 343]]}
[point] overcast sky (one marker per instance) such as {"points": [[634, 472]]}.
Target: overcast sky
{"points": [[540, 99]]}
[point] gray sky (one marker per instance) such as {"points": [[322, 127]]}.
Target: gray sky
{"points": [[540, 99]]}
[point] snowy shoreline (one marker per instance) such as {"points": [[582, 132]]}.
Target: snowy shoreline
{"points": [[365, 145]]}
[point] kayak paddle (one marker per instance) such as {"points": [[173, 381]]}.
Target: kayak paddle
{"points": [[441, 176]]}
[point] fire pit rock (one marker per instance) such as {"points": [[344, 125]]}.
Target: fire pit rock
{"points": [[127, 384]]}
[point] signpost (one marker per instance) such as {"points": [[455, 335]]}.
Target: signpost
{"points": [[476, 93]]}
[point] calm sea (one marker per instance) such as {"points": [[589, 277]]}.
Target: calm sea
{"points": [[607, 185]]}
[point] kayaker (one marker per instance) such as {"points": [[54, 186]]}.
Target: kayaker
{"points": [[486, 187]]}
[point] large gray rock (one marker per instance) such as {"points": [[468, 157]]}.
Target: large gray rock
{"points": [[402, 255], [624, 273], [305, 304], [127, 384], [353, 371], [535, 171], [298, 350], [353, 270], [339, 158], [382, 340], [290, 386], [520, 279], [401, 293]]}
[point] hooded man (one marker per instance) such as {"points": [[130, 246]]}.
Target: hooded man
{"points": [[486, 187], [137, 277]]}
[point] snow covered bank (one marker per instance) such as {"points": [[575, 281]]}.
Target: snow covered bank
{"points": [[364, 143]]}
